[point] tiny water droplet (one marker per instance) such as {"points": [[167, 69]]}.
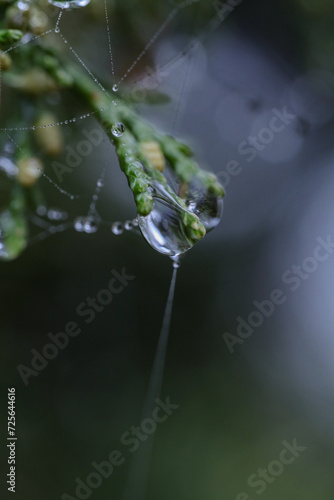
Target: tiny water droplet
{"points": [[100, 183], [55, 214], [41, 210], [117, 228], [57, 30], [128, 225], [74, 120], [34, 128], [66, 122], [22, 6], [91, 225], [115, 87], [176, 261], [117, 129], [79, 224]]}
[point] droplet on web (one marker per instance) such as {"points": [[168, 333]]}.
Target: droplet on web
{"points": [[117, 129], [87, 224], [41, 210], [115, 87], [55, 214], [117, 228], [91, 225], [79, 224]]}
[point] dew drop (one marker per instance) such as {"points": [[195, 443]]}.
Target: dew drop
{"points": [[79, 224], [115, 87], [91, 225], [117, 228], [117, 129], [163, 227], [56, 215], [128, 225], [66, 122], [100, 183], [57, 30], [34, 128], [41, 210], [22, 6]]}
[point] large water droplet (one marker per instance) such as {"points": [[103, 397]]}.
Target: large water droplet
{"points": [[69, 4], [117, 129], [207, 206], [164, 230]]}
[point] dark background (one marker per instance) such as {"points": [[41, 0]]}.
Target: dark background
{"points": [[235, 409]]}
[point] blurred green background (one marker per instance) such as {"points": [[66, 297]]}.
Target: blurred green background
{"points": [[235, 409]]}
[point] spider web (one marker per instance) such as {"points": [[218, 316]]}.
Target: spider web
{"points": [[51, 221]]}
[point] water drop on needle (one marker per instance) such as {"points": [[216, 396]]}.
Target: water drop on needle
{"points": [[163, 228], [117, 129]]}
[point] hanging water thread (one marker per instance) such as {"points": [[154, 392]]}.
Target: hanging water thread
{"points": [[136, 484]]}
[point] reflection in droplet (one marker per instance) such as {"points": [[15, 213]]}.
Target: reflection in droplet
{"points": [[207, 206], [115, 87]]}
